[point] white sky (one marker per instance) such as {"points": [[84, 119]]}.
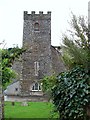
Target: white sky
{"points": [[11, 17]]}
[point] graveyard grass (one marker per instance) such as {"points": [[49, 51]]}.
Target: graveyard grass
{"points": [[33, 110]]}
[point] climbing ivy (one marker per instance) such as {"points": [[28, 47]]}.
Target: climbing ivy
{"points": [[71, 95]]}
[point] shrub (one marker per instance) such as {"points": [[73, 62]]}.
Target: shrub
{"points": [[71, 95]]}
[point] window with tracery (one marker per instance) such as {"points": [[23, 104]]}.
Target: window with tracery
{"points": [[36, 87]]}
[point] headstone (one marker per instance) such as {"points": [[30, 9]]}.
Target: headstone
{"points": [[13, 103], [24, 103]]}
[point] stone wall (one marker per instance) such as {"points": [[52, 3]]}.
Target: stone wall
{"points": [[17, 66], [40, 58], [37, 40], [13, 89], [57, 62]]}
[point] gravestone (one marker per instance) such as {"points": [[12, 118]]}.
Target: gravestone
{"points": [[24, 103]]}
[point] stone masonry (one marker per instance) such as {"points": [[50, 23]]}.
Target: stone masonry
{"points": [[40, 59]]}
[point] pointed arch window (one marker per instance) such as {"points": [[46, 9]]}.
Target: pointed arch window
{"points": [[36, 87]]}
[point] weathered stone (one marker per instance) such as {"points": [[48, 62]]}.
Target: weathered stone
{"points": [[40, 58], [39, 53], [24, 104]]}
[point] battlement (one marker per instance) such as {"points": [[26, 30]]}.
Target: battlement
{"points": [[34, 15]]}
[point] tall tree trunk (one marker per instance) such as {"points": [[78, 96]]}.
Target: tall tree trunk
{"points": [[0, 102], [2, 106]]}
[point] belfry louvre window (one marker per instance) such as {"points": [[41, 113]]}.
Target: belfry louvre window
{"points": [[36, 26], [36, 67]]}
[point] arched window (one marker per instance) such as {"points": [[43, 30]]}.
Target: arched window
{"points": [[36, 26], [36, 87]]}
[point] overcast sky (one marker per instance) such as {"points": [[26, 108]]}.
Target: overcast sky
{"points": [[11, 17]]}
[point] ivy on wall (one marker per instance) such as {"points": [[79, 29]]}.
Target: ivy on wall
{"points": [[71, 95]]}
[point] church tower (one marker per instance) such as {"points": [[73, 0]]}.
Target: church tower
{"points": [[36, 60]]}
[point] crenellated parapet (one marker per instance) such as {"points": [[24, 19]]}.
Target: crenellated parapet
{"points": [[33, 15]]}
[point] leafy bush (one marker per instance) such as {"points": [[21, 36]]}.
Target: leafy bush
{"points": [[6, 61], [48, 84], [71, 95]]}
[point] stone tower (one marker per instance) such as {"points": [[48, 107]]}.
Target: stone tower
{"points": [[37, 60], [40, 58]]}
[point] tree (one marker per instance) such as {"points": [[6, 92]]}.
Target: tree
{"points": [[48, 84], [76, 48], [71, 94], [7, 57], [71, 91]]}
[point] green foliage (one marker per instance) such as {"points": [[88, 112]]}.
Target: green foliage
{"points": [[48, 83], [71, 95], [71, 90], [7, 75], [76, 48], [7, 58], [9, 55]]}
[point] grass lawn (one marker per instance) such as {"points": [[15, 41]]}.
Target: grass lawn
{"points": [[34, 110]]}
